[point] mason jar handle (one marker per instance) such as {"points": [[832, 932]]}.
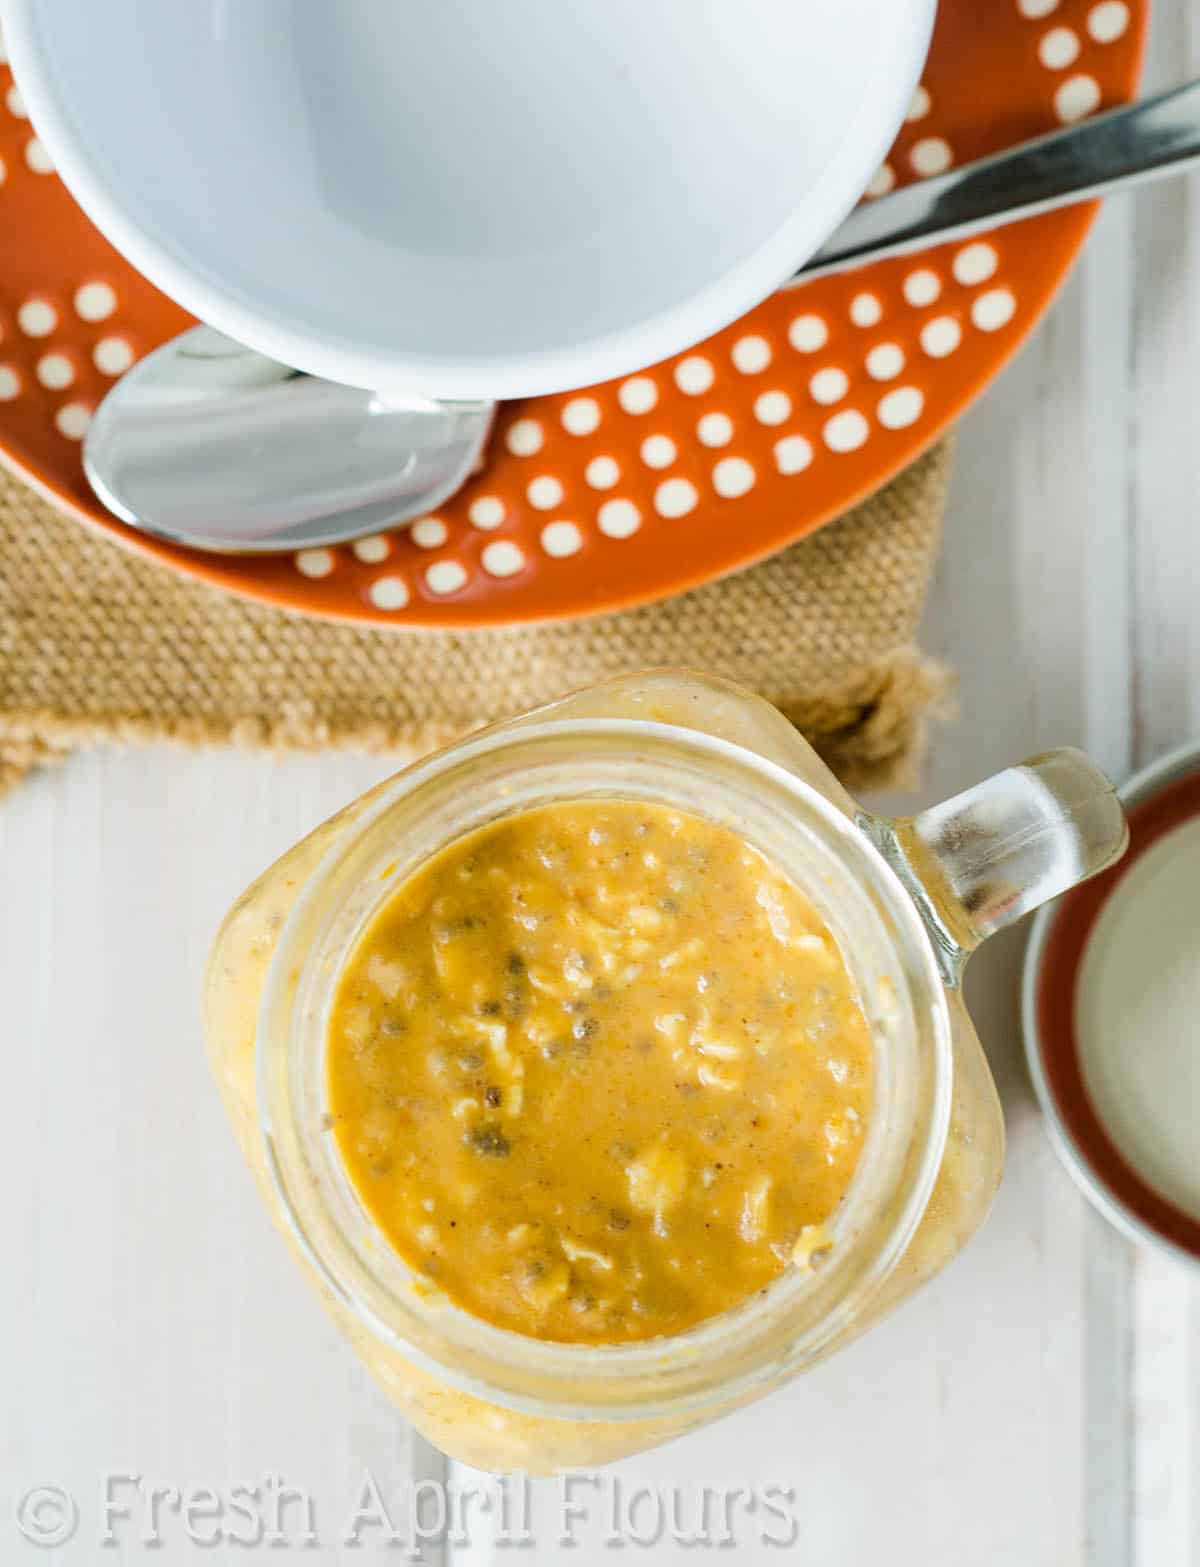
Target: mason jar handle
{"points": [[990, 855]]}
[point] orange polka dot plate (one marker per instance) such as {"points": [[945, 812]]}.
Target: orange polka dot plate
{"points": [[629, 491]]}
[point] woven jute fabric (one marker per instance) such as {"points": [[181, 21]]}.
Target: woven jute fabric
{"points": [[99, 644]]}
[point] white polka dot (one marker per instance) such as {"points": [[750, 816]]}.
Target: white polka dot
{"points": [[975, 264], [10, 384], [73, 419], [1077, 98], [922, 287], [372, 549], [502, 558], [619, 519], [846, 431], [808, 334], [388, 593], [37, 159], [445, 576], [55, 371], [560, 539], [429, 533], [487, 511], [733, 477], [901, 408], [659, 451], [1036, 9], [95, 302], [3, 47], [545, 492], [314, 563], [112, 356], [865, 310], [16, 104], [885, 361], [994, 309], [715, 430], [694, 375], [939, 337], [751, 355], [882, 181], [1108, 21], [931, 155], [639, 395], [772, 408], [675, 498], [37, 318], [602, 473], [920, 105], [793, 454], [1059, 48], [829, 385], [525, 438], [581, 416]]}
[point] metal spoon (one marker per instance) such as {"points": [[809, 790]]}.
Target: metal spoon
{"points": [[218, 447], [1143, 141]]}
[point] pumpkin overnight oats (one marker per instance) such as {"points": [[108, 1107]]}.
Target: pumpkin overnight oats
{"points": [[598, 1072], [601, 1075]]}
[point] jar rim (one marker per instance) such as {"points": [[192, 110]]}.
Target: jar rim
{"points": [[500, 772]]}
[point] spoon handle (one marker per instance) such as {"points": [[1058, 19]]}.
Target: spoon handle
{"points": [[1143, 141]]}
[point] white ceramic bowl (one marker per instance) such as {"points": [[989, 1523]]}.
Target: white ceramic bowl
{"points": [[1109, 1018], [467, 198]]}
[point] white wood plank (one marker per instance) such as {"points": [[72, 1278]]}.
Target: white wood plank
{"points": [[154, 1323], [1106, 395], [1166, 1519], [1165, 579]]}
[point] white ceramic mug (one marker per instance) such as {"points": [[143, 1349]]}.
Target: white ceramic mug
{"points": [[466, 198]]}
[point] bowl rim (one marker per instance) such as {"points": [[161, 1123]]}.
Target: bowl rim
{"points": [[1081, 1140], [615, 353]]}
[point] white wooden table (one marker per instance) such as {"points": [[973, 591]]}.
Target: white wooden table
{"points": [[1038, 1406]]}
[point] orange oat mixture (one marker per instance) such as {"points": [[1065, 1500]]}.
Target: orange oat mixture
{"points": [[599, 1072]]}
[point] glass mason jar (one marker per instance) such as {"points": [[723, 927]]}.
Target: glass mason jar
{"points": [[907, 901]]}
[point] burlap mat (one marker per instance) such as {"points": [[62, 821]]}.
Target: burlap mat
{"points": [[99, 644]]}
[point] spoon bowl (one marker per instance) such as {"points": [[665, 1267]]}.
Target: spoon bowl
{"points": [[213, 445]]}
